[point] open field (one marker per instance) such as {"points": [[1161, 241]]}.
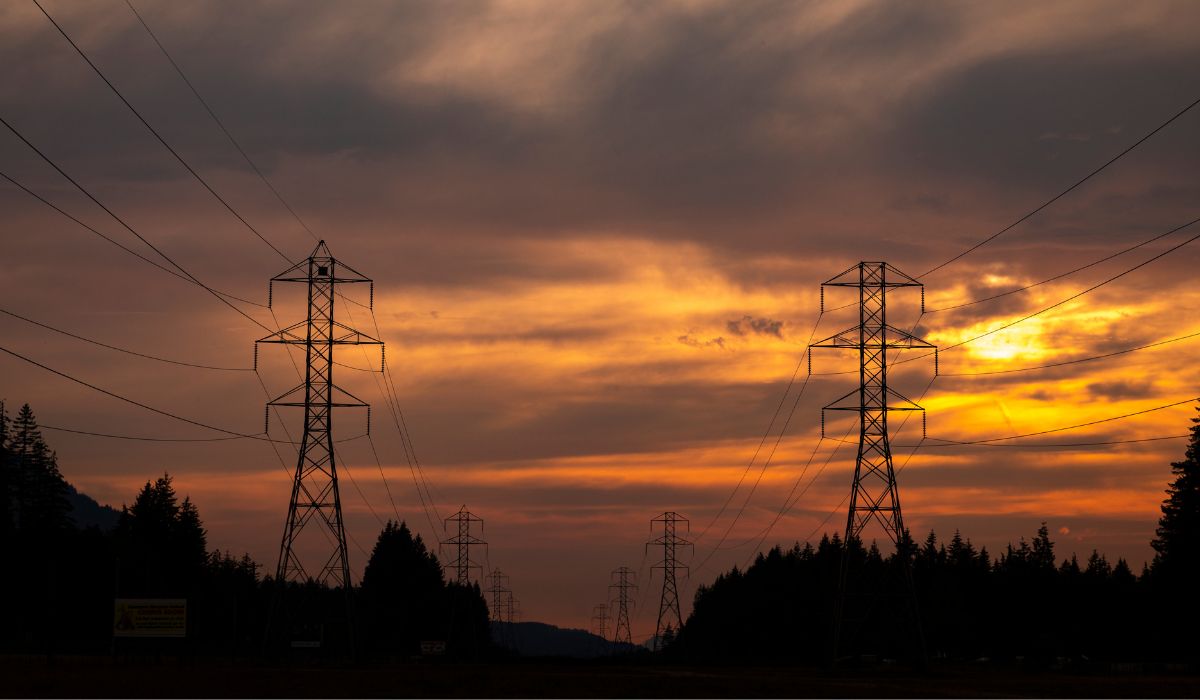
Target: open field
{"points": [[102, 677]]}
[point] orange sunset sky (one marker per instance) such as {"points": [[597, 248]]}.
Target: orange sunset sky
{"points": [[598, 231]]}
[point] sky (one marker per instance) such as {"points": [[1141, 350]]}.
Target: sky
{"points": [[597, 232]]}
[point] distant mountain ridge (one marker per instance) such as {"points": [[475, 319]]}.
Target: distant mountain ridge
{"points": [[87, 512], [541, 639]]}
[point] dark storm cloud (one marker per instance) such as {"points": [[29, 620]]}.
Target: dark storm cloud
{"points": [[671, 137], [965, 126]]}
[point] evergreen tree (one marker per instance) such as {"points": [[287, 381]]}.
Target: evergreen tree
{"points": [[1122, 575], [1098, 567], [1042, 556], [40, 505], [1177, 541], [6, 495], [161, 544], [402, 590]]}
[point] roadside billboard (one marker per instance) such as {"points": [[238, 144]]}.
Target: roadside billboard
{"points": [[150, 617]]}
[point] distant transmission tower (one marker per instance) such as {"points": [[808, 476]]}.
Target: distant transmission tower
{"points": [[500, 608], [874, 496], [497, 589], [462, 541], [600, 621], [669, 616], [315, 496], [508, 608], [624, 583]]}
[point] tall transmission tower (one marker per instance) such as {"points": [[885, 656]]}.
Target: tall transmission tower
{"points": [[315, 497], [669, 615], [874, 495], [462, 541], [624, 584]]}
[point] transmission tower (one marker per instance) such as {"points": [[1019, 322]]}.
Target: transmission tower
{"points": [[874, 495], [497, 589], [622, 633], [508, 608], [600, 621], [462, 542], [315, 496], [500, 608], [669, 616]]}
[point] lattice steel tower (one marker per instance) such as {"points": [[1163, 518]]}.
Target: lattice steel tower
{"points": [[462, 541], [874, 495], [668, 605], [622, 633], [600, 621], [315, 495], [501, 595]]}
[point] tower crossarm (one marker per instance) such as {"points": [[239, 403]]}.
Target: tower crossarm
{"points": [[295, 397], [882, 275], [895, 402], [886, 336]]}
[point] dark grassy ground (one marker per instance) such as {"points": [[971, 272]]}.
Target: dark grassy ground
{"points": [[104, 677]]}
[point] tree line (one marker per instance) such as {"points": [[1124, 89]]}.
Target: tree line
{"points": [[1024, 603], [61, 576]]}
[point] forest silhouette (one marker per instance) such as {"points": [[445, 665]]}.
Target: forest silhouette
{"points": [[159, 549], [1025, 603]]}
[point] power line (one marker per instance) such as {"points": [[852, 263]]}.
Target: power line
{"points": [[189, 276], [782, 400], [762, 472], [375, 453], [139, 404], [1054, 278], [381, 383], [383, 476], [346, 468], [410, 454], [158, 136], [143, 438], [845, 498], [132, 252], [791, 502], [134, 437], [127, 227], [1040, 445], [123, 350], [1080, 425], [1057, 304], [987, 441], [218, 121], [1073, 297], [1062, 194], [1073, 362]]}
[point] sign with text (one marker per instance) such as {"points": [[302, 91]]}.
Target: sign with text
{"points": [[433, 648], [150, 617]]}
